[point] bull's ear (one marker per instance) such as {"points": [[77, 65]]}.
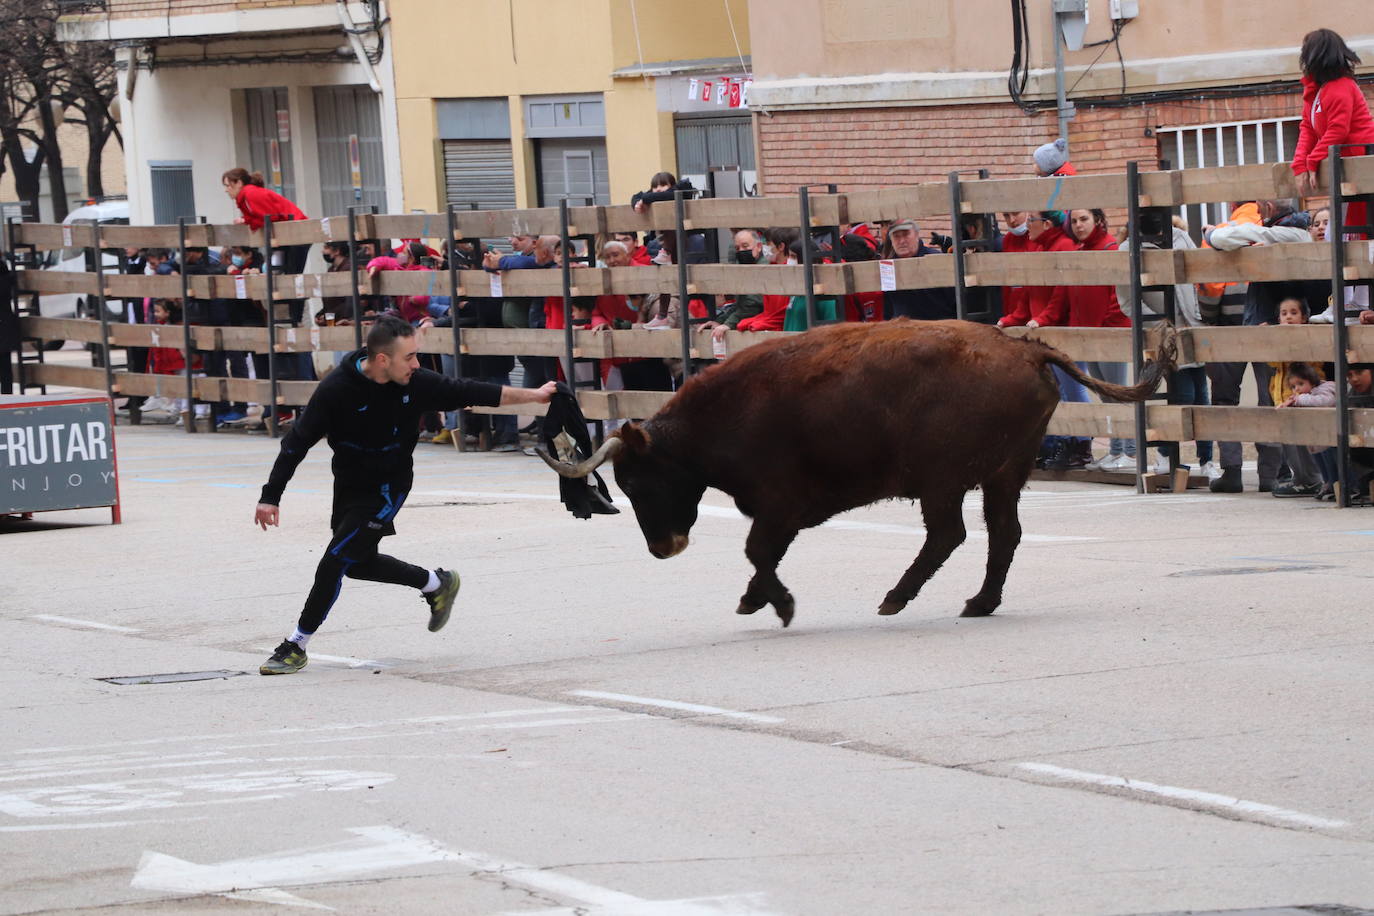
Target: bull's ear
{"points": [[636, 439]]}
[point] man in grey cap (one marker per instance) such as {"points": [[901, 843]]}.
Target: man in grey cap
{"points": [[904, 241], [1052, 159]]}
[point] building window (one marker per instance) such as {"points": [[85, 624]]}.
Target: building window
{"points": [[1233, 143], [174, 193]]}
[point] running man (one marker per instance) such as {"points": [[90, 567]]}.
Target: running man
{"points": [[369, 409]]}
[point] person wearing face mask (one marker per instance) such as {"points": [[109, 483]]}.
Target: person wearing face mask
{"points": [[1017, 240], [748, 251], [774, 251]]}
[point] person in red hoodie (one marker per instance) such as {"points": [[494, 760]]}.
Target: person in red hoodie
{"points": [[1017, 240], [1047, 307], [1335, 113], [1097, 307]]}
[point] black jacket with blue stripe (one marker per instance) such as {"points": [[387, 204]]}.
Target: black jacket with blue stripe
{"points": [[371, 427]]}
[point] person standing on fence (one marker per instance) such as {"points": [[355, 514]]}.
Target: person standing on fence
{"points": [[369, 410]]}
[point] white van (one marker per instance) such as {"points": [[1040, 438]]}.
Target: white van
{"points": [[74, 305]]}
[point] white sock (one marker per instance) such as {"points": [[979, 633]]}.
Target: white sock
{"points": [[432, 584], [300, 638]]}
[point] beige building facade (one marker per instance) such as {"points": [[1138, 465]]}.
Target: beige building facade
{"points": [[526, 103]]}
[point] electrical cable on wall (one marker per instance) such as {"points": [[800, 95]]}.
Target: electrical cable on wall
{"points": [[1019, 74], [730, 16]]}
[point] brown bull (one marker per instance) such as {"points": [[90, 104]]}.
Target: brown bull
{"points": [[802, 428]]}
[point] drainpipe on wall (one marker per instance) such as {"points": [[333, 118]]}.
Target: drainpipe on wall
{"points": [[351, 31]]}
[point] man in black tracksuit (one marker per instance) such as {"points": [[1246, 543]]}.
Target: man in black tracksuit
{"points": [[369, 409]]}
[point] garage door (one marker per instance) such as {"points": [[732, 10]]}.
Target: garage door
{"points": [[479, 174], [575, 170]]}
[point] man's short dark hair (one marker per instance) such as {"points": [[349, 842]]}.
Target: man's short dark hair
{"points": [[385, 330]]}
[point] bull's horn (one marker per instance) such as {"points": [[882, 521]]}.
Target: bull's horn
{"points": [[608, 450]]}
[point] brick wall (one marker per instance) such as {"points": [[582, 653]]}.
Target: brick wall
{"points": [[885, 147]]}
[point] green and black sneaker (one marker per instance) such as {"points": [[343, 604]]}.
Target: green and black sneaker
{"points": [[441, 599], [287, 659]]}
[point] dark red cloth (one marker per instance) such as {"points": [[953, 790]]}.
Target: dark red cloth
{"points": [[1095, 306], [1333, 114], [1046, 305], [640, 257], [863, 307], [256, 204]]}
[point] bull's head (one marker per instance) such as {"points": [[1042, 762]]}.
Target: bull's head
{"points": [[663, 492]]}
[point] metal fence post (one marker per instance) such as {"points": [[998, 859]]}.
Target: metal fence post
{"points": [[808, 268], [188, 354], [100, 304], [565, 263], [685, 312], [272, 383], [1336, 230], [452, 262], [956, 206], [353, 278], [1142, 458]]}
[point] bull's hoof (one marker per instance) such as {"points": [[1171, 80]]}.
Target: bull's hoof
{"points": [[746, 608], [785, 611], [890, 607], [975, 608]]}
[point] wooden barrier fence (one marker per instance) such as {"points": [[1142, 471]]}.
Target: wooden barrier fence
{"points": [[1341, 262]]}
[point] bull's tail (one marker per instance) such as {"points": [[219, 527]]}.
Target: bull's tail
{"points": [[1155, 371]]}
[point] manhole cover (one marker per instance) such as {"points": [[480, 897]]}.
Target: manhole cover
{"points": [[171, 678], [1245, 571]]}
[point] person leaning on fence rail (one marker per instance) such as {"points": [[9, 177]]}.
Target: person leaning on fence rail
{"points": [[1188, 382], [1335, 113], [748, 248], [1318, 220], [1016, 240], [903, 240], [1097, 307], [857, 244], [369, 410], [1259, 222], [137, 310], [777, 241], [1306, 477]]}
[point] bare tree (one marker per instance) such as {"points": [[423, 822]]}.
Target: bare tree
{"points": [[42, 79]]}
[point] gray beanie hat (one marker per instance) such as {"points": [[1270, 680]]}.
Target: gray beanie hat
{"points": [[1051, 157]]}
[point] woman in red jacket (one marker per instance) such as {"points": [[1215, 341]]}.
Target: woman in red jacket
{"points": [[1335, 113], [1097, 307], [257, 203]]}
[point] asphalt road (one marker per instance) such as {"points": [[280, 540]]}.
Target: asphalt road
{"points": [[1171, 712]]}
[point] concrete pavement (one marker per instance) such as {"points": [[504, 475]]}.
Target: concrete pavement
{"points": [[1170, 712]]}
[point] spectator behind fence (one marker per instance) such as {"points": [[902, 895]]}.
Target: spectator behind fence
{"points": [[1052, 159], [1306, 387], [776, 250], [929, 304], [748, 250], [1016, 240], [1262, 222], [1046, 306], [10, 339], [857, 244], [1360, 394], [529, 253], [169, 360], [136, 311], [1306, 477], [1188, 383], [1335, 113], [1097, 307], [1319, 218], [639, 255]]}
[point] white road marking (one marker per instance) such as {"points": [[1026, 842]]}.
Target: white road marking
{"points": [[675, 704], [348, 660], [1209, 799], [95, 825], [307, 730], [87, 624], [385, 848]]}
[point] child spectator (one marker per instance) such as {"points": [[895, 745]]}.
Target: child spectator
{"points": [[1309, 389], [1283, 391], [170, 360]]}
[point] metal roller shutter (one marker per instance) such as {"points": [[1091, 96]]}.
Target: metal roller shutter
{"points": [[574, 169], [479, 174], [342, 113]]}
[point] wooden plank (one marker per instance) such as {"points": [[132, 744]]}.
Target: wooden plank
{"points": [[1165, 423], [768, 280], [624, 218], [1234, 182], [887, 204], [138, 236], [622, 405], [1292, 426], [1081, 191], [1111, 345], [1311, 342], [638, 281], [512, 342], [85, 330], [54, 282], [86, 377], [151, 386], [929, 272], [1362, 427], [208, 235], [732, 213], [142, 286], [49, 236]]}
